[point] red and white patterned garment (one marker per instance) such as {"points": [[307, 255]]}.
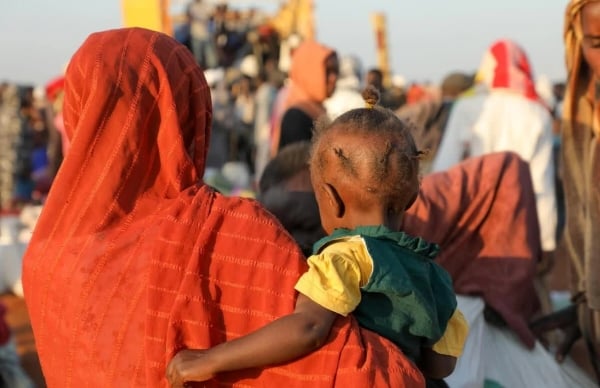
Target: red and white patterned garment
{"points": [[505, 66]]}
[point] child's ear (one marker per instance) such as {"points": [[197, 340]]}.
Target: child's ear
{"points": [[335, 201]]}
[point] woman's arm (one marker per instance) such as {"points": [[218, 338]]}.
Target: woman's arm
{"points": [[439, 361], [283, 340]]}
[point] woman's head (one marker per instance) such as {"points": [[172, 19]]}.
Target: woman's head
{"points": [[364, 167], [315, 70], [135, 99], [137, 111]]}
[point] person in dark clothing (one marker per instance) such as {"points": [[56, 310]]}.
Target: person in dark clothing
{"points": [[313, 76]]}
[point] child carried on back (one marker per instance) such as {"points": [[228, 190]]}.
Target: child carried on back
{"points": [[365, 173]]}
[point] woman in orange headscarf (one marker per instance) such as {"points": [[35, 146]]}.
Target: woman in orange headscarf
{"points": [[134, 258], [313, 75]]}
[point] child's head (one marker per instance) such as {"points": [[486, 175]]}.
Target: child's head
{"points": [[364, 167]]}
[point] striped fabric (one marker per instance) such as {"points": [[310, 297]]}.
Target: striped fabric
{"points": [[134, 258]]}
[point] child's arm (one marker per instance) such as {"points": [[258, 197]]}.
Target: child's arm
{"points": [[284, 339], [439, 360], [435, 365]]}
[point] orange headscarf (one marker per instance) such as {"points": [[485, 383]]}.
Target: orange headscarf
{"points": [[309, 78], [134, 258], [307, 89]]}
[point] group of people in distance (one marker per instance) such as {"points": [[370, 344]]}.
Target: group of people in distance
{"points": [[140, 274]]}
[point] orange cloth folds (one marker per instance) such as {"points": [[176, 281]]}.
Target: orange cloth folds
{"points": [[134, 258]]}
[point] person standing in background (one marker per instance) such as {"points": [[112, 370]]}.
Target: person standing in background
{"points": [[580, 158], [347, 94], [430, 116], [200, 15], [313, 76], [264, 100], [503, 112]]}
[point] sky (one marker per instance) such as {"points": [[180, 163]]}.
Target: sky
{"points": [[427, 38]]}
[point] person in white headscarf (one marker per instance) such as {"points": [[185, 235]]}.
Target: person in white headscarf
{"points": [[347, 93]]}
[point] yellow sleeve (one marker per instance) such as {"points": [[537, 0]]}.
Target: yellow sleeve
{"points": [[335, 275], [453, 340]]}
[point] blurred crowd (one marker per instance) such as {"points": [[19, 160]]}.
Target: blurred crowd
{"points": [[267, 91], [247, 65]]}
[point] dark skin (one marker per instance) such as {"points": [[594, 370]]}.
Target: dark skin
{"points": [[332, 70], [590, 24], [340, 206], [566, 319], [375, 78], [308, 327], [283, 340]]}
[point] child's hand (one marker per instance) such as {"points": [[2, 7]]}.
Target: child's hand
{"points": [[189, 365]]}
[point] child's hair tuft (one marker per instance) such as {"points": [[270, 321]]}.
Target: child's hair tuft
{"points": [[371, 96]]}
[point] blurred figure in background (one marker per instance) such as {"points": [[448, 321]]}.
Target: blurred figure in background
{"points": [[241, 138], [580, 159], [57, 140], [202, 43], [347, 94], [504, 113], [313, 76], [397, 92], [374, 78], [431, 115], [286, 191], [265, 98], [12, 374]]}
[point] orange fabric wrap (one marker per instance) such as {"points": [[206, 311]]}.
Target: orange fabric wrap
{"points": [[309, 78], [134, 258]]}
